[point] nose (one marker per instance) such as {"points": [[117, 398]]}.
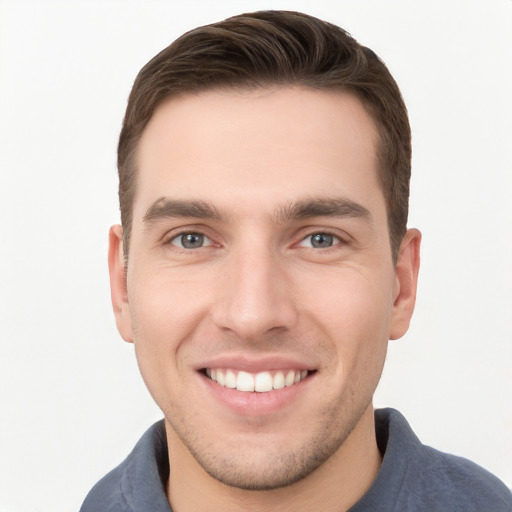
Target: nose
{"points": [[257, 297]]}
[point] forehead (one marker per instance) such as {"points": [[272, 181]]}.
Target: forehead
{"points": [[260, 147]]}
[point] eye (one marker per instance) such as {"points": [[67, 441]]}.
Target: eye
{"points": [[320, 241], [190, 241]]}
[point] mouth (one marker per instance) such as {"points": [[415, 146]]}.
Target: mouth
{"points": [[260, 382]]}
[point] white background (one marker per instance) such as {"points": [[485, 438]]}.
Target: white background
{"points": [[72, 402]]}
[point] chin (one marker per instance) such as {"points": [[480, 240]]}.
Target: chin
{"points": [[273, 472], [264, 466]]}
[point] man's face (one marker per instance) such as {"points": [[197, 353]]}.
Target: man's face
{"points": [[259, 258]]}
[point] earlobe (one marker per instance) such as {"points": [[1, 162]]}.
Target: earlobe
{"points": [[118, 290], [407, 268]]}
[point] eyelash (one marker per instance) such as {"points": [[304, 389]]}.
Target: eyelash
{"points": [[170, 239], [337, 240]]}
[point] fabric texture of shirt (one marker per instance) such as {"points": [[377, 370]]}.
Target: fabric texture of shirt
{"points": [[413, 477]]}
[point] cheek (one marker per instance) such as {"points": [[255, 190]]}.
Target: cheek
{"points": [[164, 311], [355, 314], [349, 302]]}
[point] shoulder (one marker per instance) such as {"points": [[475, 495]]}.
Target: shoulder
{"points": [[138, 481], [416, 477], [461, 483], [107, 495]]}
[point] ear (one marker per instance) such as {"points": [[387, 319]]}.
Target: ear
{"points": [[118, 290], [407, 268]]}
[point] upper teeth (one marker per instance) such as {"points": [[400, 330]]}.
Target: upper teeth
{"points": [[261, 382]]}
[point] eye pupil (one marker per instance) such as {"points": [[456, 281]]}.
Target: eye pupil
{"points": [[322, 240], [192, 240]]}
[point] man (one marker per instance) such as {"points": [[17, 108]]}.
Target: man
{"points": [[262, 265]]}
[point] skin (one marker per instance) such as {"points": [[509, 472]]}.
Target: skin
{"points": [[259, 289]]}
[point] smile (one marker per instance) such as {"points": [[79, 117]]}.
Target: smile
{"points": [[261, 382]]}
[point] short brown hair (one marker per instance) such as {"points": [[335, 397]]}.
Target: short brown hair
{"points": [[265, 49]]}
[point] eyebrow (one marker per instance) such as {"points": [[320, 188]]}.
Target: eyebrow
{"points": [[335, 207], [164, 208]]}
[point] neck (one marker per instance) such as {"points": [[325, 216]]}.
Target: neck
{"points": [[333, 487]]}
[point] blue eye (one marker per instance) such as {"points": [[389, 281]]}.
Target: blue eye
{"points": [[191, 241], [320, 241]]}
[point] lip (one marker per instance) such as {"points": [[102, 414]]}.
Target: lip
{"points": [[254, 365], [253, 404]]}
